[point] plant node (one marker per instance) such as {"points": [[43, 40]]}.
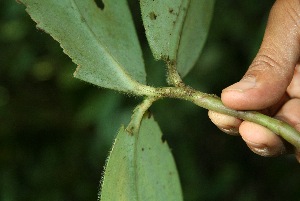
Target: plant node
{"points": [[173, 77]]}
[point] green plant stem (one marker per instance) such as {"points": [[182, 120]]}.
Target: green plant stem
{"points": [[138, 113], [173, 76], [214, 103], [278, 127]]}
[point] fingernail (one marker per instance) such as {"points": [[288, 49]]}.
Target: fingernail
{"points": [[231, 131], [245, 84], [264, 150], [259, 149], [225, 123]]}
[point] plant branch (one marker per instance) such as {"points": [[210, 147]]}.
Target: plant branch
{"points": [[278, 127], [138, 113], [210, 102], [214, 103]]}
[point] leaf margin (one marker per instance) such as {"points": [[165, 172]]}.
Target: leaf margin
{"points": [[174, 195], [127, 81]]}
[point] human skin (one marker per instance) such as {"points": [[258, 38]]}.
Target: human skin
{"points": [[270, 85]]}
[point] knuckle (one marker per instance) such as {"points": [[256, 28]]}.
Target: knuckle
{"points": [[268, 64], [265, 62]]}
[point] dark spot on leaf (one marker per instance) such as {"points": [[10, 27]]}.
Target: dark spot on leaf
{"points": [[143, 149], [100, 4], [171, 10], [149, 114], [152, 16], [130, 130], [83, 19], [165, 57]]}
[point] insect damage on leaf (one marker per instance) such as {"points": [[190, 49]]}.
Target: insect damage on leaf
{"points": [[100, 4], [152, 16]]}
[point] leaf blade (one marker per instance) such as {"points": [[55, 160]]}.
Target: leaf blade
{"points": [[158, 177], [194, 37], [103, 43], [118, 181], [147, 164], [177, 29]]}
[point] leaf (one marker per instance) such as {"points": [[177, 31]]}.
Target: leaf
{"points": [[103, 43], [141, 167], [177, 29]]}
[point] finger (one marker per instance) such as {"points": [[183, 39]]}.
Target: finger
{"points": [[261, 140], [272, 69], [225, 123], [294, 87], [290, 113], [271, 111], [264, 142]]}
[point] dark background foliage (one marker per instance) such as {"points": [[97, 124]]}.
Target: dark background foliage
{"points": [[56, 131]]}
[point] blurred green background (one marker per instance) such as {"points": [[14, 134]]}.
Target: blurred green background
{"points": [[56, 131]]}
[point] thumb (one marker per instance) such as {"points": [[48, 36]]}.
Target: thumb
{"points": [[272, 70]]}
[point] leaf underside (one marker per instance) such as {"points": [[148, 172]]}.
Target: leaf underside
{"points": [[103, 43], [141, 167], [177, 29]]}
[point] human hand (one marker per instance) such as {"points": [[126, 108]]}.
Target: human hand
{"points": [[271, 84]]}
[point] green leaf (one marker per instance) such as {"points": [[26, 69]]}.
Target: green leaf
{"points": [[103, 43], [177, 29], [141, 167]]}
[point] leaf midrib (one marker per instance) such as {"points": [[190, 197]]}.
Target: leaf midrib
{"points": [[101, 45]]}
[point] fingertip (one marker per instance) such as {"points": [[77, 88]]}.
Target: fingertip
{"points": [[235, 96], [225, 123], [261, 140], [253, 94]]}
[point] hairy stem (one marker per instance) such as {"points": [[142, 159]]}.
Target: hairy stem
{"points": [[138, 113], [173, 76], [214, 103], [210, 102]]}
